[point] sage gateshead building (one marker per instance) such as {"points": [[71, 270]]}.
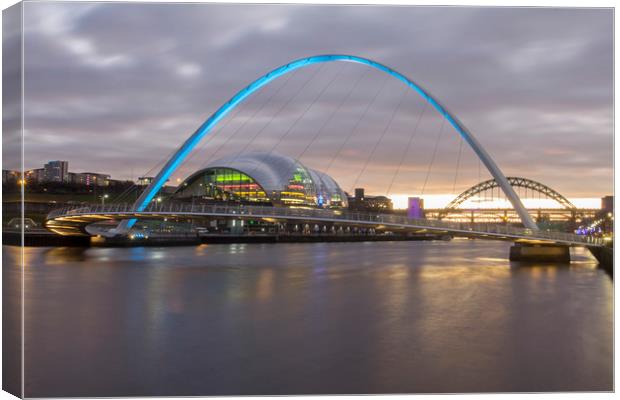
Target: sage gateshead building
{"points": [[262, 178]]}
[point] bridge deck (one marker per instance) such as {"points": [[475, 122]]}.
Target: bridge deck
{"points": [[73, 220]]}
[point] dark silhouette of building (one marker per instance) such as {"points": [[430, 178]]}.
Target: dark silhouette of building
{"points": [[607, 203], [361, 202], [57, 171]]}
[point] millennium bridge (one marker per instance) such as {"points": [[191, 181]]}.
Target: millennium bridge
{"points": [[83, 221]]}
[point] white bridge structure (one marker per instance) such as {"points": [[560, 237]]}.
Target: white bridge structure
{"points": [[82, 221]]}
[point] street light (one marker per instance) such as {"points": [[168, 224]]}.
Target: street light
{"points": [[105, 196]]}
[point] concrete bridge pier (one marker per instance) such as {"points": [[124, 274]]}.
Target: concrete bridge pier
{"points": [[540, 252]]}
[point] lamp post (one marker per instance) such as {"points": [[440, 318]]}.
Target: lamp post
{"points": [[103, 197]]}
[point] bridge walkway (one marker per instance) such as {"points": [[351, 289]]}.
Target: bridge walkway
{"points": [[73, 220]]}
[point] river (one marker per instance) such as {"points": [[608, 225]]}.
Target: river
{"points": [[313, 318]]}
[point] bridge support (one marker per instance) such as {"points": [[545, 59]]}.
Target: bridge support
{"points": [[528, 252]]}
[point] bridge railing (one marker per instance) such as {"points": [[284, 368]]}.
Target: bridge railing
{"points": [[327, 215]]}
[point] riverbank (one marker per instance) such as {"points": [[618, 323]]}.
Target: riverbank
{"points": [[43, 238], [605, 258]]}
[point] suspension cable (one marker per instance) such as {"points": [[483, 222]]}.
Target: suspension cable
{"points": [[277, 113], [134, 186], [316, 135], [333, 113], [245, 122], [458, 162], [355, 126], [128, 190], [300, 117], [303, 114], [409, 143], [211, 137], [378, 142], [430, 166]]}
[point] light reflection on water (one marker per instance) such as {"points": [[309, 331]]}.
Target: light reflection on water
{"points": [[312, 318]]}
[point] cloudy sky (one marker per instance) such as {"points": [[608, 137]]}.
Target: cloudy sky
{"points": [[116, 87]]}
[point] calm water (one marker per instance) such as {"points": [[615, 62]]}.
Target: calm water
{"points": [[311, 318]]}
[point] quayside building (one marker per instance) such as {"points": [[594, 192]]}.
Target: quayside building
{"points": [[264, 178]]}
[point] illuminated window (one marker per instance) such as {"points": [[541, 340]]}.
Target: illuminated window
{"points": [[224, 184]]}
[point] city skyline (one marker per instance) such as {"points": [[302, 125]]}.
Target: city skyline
{"points": [[528, 96], [399, 201]]}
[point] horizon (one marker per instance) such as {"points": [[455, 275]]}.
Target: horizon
{"points": [[438, 201]]}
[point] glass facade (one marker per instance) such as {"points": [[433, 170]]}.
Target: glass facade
{"points": [[299, 190], [223, 184]]}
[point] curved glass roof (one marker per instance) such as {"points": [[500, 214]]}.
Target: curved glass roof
{"points": [[325, 183], [273, 171]]}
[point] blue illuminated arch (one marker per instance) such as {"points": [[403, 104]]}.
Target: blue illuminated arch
{"points": [[147, 195]]}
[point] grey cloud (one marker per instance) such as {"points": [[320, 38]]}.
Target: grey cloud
{"points": [[117, 86]]}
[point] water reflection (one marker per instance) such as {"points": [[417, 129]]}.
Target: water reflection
{"points": [[312, 318], [62, 255], [264, 284]]}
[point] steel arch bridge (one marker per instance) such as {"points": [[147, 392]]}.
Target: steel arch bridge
{"points": [[514, 182], [182, 152]]}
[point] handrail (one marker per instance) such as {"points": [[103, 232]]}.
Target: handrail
{"points": [[321, 214]]}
